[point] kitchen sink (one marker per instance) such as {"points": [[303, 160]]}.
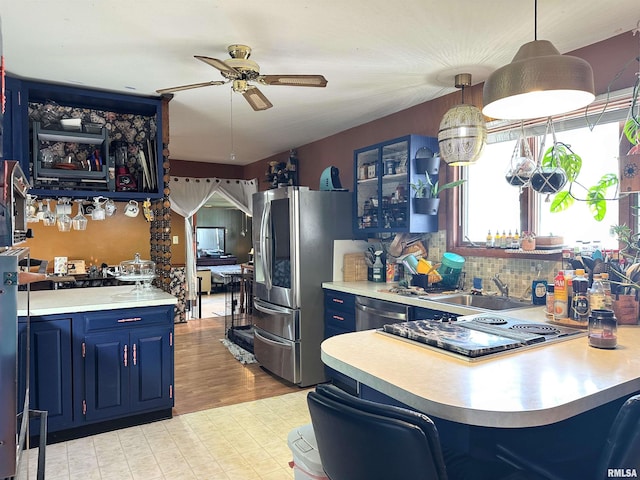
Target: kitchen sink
{"points": [[484, 302]]}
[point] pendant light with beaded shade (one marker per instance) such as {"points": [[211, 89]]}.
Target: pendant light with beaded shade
{"points": [[463, 131]]}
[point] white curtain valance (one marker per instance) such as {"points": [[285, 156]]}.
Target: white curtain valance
{"points": [[189, 194]]}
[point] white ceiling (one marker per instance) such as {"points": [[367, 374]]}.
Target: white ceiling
{"points": [[378, 56]]}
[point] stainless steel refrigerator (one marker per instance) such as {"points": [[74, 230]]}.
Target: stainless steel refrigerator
{"points": [[293, 233]]}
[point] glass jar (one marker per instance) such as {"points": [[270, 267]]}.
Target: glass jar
{"points": [[603, 329], [137, 268]]}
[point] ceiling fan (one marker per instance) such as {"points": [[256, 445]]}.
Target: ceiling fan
{"points": [[241, 72]]}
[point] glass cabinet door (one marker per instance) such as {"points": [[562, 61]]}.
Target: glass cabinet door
{"points": [[382, 187], [367, 166], [394, 193]]}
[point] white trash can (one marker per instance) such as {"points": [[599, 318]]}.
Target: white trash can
{"points": [[306, 462]]}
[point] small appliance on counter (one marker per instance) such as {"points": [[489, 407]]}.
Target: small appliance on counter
{"points": [[330, 180]]}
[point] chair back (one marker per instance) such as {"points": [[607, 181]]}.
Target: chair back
{"points": [[621, 451], [362, 440]]}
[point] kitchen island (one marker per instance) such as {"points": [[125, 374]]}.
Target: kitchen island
{"points": [[520, 388], [100, 357], [92, 299], [559, 395]]}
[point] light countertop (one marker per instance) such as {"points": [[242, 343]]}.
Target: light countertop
{"points": [[520, 388], [72, 300], [380, 291]]}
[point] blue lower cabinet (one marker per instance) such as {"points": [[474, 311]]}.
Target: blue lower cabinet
{"points": [[151, 370], [339, 318], [94, 367], [50, 372], [127, 362], [106, 375]]}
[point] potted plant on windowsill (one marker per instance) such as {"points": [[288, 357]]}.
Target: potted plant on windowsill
{"points": [[426, 192]]}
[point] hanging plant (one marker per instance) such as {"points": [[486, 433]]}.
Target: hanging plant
{"points": [[559, 167], [572, 164]]}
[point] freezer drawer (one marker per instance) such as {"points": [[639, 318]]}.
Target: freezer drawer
{"points": [[280, 321], [277, 354]]}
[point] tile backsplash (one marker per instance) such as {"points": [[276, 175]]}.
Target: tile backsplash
{"points": [[517, 273]]}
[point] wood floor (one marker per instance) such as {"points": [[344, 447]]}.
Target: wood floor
{"points": [[208, 376]]}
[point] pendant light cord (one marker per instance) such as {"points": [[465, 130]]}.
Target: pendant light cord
{"points": [[535, 20]]}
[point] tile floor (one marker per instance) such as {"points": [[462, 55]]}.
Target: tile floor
{"points": [[247, 441]]}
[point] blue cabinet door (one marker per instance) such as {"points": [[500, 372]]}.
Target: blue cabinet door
{"points": [[50, 371], [106, 375], [151, 369], [12, 126]]}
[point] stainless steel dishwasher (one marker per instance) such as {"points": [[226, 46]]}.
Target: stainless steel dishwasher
{"points": [[372, 313]]}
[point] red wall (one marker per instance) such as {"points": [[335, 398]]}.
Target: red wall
{"points": [[607, 58]]}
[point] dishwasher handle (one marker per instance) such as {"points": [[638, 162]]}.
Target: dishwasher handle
{"points": [[398, 316]]}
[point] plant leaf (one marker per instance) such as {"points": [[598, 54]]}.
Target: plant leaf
{"points": [[631, 130], [607, 180], [597, 204], [572, 164], [561, 201], [450, 185]]}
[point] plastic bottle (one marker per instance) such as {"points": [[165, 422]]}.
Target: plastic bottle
{"points": [[379, 274], [489, 243], [580, 302], [503, 239], [550, 299], [606, 284], [560, 302], [568, 278], [597, 298]]}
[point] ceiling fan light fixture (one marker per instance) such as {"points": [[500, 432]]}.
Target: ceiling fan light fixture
{"points": [[539, 82], [463, 131]]}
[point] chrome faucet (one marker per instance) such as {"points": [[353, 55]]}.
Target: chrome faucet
{"points": [[503, 287]]}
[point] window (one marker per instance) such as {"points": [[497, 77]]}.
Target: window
{"points": [[598, 149], [496, 205]]}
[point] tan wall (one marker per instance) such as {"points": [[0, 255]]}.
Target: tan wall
{"points": [[110, 241]]}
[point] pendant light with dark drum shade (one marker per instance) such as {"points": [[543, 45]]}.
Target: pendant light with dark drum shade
{"points": [[463, 131], [539, 82]]}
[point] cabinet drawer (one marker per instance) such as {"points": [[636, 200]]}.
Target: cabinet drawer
{"points": [[339, 301], [143, 316], [340, 320]]}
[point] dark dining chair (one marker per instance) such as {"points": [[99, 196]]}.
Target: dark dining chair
{"points": [[619, 457], [363, 440]]}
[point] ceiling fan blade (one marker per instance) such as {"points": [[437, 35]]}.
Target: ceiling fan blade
{"points": [[256, 99], [294, 80], [187, 87], [220, 65]]}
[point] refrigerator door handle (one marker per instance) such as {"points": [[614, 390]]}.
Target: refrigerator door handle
{"points": [[270, 309], [265, 245], [271, 340]]}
